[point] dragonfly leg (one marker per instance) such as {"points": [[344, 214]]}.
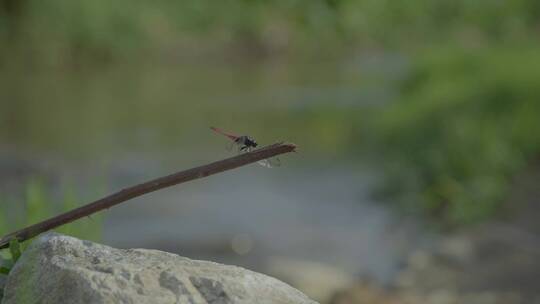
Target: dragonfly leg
{"points": [[265, 163], [275, 162], [229, 146]]}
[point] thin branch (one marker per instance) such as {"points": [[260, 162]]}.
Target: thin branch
{"points": [[144, 188]]}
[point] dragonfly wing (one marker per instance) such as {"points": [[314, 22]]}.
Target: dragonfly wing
{"points": [[229, 146], [229, 135]]}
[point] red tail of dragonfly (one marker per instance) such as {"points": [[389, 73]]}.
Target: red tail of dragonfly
{"points": [[245, 143]]}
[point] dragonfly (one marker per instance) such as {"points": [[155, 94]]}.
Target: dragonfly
{"points": [[245, 143]]}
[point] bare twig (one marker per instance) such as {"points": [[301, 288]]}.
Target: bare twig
{"points": [[144, 188]]}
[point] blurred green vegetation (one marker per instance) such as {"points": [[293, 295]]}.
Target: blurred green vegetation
{"points": [[61, 30], [466, 124], [38, 204]]}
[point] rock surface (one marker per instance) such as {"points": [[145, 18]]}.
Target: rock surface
{"points": [[62, 269]]}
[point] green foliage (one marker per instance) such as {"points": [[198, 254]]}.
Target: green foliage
{"points": [[7, 264], [63, 30], [15, 249], [5, 268], [420, 21], [37, 205], [465, 126]]}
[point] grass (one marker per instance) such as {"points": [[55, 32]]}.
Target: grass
{"points": [[35, 205]]}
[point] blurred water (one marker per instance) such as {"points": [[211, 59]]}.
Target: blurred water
{"points": [[320, 214], [125, 125]]}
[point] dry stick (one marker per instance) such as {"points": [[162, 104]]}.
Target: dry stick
{"points": [[144, 188]]}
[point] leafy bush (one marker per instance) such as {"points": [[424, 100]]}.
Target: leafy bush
{"points": [[466, 125]]}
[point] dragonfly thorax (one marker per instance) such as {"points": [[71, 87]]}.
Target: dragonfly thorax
{"points": [[246, 142]]}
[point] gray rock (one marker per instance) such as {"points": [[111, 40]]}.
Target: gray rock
{"points": [[62, 269]]}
